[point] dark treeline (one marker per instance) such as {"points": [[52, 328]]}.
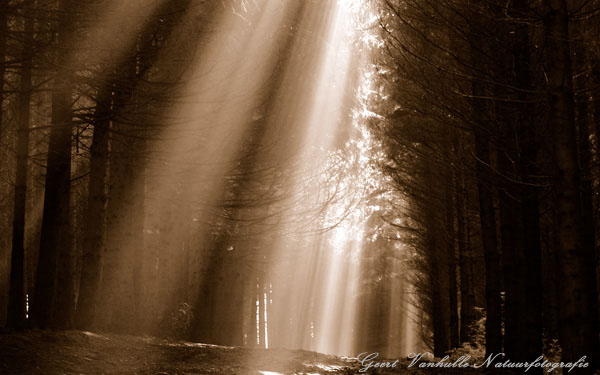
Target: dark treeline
{"points": [[491, 135]]}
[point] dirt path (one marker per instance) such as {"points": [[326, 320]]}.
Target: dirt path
{"points": [[85, 353], [74, 352]]}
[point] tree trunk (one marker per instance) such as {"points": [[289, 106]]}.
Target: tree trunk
{"points": [[586, 162], [3, 38], [117, 283], [124, 234], [440, 313], [509, 188], [487, 216], [519, 199], [16, 303], [550, 268], [578, 300], [5, 279], [493, 325], [511, 229], [93, 237], [595, 61], [467, 291], [437, 255], [451, 261], [528, 134], [55, 262]]}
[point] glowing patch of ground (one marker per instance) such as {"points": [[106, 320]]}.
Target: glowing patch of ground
{"points": [[76, 352]]}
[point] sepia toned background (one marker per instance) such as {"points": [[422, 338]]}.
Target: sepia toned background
{"points": [[335, 176]]}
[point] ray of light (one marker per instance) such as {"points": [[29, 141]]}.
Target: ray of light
{"points": [[256, 104], [318, 296], [102, 43], [208, 122]]}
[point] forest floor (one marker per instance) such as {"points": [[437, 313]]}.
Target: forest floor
{"points": [[76, 352]]}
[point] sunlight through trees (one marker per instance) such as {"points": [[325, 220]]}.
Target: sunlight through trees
{"points": [[339, 176]]}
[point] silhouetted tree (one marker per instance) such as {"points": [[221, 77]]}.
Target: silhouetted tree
{"points": [[578, 309], [16, 304], [55, 264]]}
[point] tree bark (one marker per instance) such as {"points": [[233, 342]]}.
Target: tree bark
{"points": [[578, 300], [519, 199], [440, 313], [437, 257], [467, 291], [16, 303], [93, 238], [528, 135], [493, 325], [511, 230], [487, 215], [595, 61], [55, 262], [584, 146], [451, 261], [3, 38]]}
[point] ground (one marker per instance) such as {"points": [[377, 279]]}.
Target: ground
{"points": [[76, 352]]}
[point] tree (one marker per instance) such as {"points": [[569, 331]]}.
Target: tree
{"points": [[96, 211], [16, 304], [578, 309], [467, 291], [3, 39], [55, 263]]}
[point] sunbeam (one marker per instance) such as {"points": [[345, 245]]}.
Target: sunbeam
{"points": [[260, 111], [235, 179], [299, 186]]}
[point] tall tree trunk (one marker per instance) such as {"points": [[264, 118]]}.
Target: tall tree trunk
{"points": [[93, 238], [16, 303], [124, 234], [493, 325], [550, 267], [440, 313], [509, 189], [3, 38], [451, 260], [578, 300], [55, 262], [530, 268], [117, 283], [511, 229], [437, 257], [584, 130], [519, 198], [487, 215], [467, 291], [595, 61], [528, 134], [453, 295]]}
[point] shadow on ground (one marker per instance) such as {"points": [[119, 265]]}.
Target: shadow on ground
{"points": [[86, 353]]}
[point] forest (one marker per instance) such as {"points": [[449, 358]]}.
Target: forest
{"points": [[235, 186]]}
